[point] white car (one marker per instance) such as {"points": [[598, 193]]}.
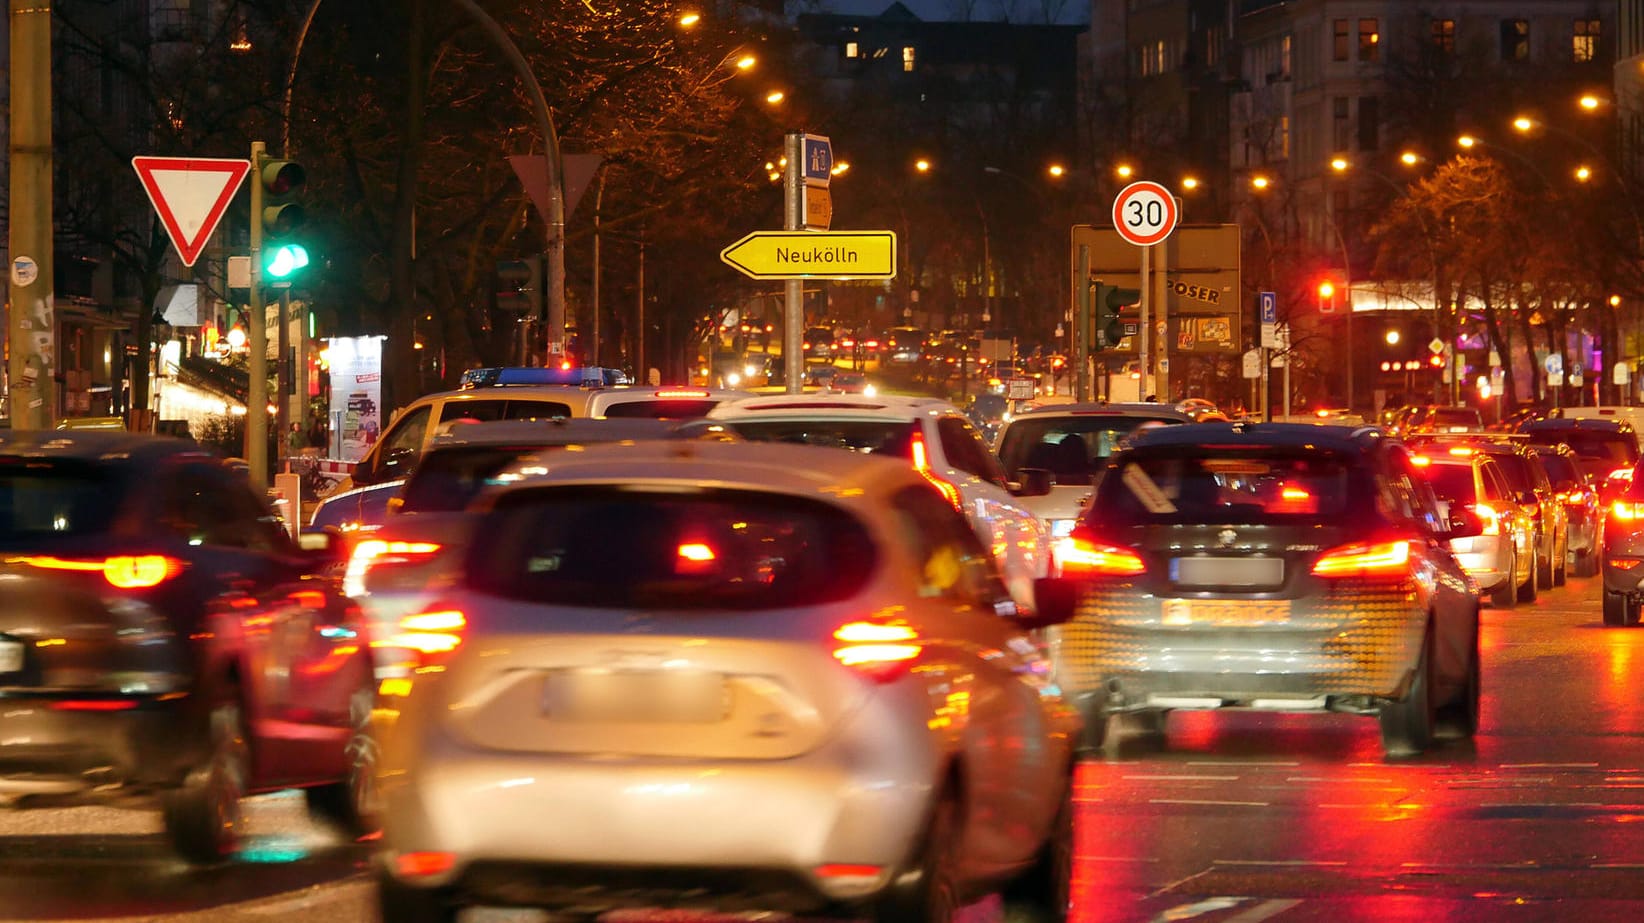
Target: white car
{"points": [[1070, 443], [931, 435], [727, 677]]}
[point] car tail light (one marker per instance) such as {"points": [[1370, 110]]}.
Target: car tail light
{"points": [[682, 393], [431, 631], [1574, 496], [1492, 520], [881, 650], [124, 572], [1420, 461], [94, 705], [1625, 563], [1626, 511], [921, 464], [1623, 474], [1090, 558], [1363, 560], [423, 864], [376, 553]]}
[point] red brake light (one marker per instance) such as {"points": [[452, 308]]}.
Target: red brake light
{"points": [[374, 552], [1492, 520], [1363, 560], [1082, 556], [921, 464], [681, 392], [125, 572], [423, 864], [1626, 511], [94, 705], [1420, 461], [432, 631], [882, 650]]}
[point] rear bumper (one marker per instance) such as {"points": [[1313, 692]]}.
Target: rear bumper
{"points": [[94, 756]]}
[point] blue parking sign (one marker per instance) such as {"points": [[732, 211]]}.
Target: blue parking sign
{"points": [[1270, 308]]}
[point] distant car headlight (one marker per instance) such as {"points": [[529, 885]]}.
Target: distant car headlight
{"points": [[751, 371], [1061, 528], [869, 390], [733, 379]]}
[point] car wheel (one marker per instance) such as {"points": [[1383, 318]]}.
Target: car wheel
{"points": [[1527, 590], [1586, 563], [1544, 569], [351, 803], [202, 817], [1407, 724], [1458, 720], [1094, 734], [1044, 893], [402, 903], [1615, 609], [1505, 595], [929, 892], [1561, 570]]}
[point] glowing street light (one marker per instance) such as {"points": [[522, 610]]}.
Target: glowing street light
{"points": [[1339, 164], [1190, 183], [1260, 181], [1467, 141], [1410, 158], [689, 19], [1583, 173], [1392, 338], [1590, 102], [840, 168], [922, 165], [1056, 170], [1124, 170], [1523, 123], [746, 62], [774, 97]]}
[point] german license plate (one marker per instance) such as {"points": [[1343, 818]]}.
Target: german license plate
{"points": [[1225, 611], [11, 656], [641, 696]]}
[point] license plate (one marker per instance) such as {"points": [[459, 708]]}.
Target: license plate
{"points": [[11, 656], [1212, 572], [650, 696], [1225, 611]]}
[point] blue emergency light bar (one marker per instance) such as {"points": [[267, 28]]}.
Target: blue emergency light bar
{"points": [[582, 376]]}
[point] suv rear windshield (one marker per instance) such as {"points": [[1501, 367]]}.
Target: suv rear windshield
{"points": [[1618, 448], [876, 437], [1561, 471], [1260, 484], [49, 500], [1452, 481], [1456, 416], [1070, 447], [447, 479], [662, 408], [633, 547]]}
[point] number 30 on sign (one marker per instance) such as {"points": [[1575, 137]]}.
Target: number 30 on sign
{"points": [[1144, 213]]}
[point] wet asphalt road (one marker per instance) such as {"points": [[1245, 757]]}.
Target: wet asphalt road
{"points": [[1231, 818]]}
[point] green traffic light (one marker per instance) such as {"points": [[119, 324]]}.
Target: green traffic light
{"points": [[285, 260]]}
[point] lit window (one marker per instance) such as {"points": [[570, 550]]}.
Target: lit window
{"points": [[1369, 41], [907, 58], [1586, 39], [1444, 35], [1515, 39], [851, 49], [1284, 57]]}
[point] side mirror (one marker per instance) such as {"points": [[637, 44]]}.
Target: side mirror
{"points": [[1055, 601], [1464, 523], [363, 472], [1033, 482]]}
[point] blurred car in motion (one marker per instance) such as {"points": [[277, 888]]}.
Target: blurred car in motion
{"points": [[932, 436], [851, 383], [163, 642], [1532, 490], [357, 512], [1582, 508], [1621, 552], [814, 632], [1270, 566], [426, 531], [903, 345], [1068, 444], [1607, 449], [392, 456], [1498, 558]]}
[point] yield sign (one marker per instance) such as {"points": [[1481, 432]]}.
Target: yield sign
{"points": [[190, 194]]}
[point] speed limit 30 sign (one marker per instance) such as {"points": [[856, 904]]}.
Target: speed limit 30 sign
{"points": [[1144, 213]]}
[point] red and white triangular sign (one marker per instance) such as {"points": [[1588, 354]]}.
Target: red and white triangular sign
{"points": [[190, 194]]}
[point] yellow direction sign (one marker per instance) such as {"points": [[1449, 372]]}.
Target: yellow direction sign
{"points": [[814, 255]]}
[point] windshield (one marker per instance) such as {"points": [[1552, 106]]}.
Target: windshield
{"points": [[1618, 448], [1561, 471], [44, 500], [1456, 416], [876, 437], [1256, 485], [632, 547], [1453, 482], [1517, 470], [661, 409], [448, 478], [1070, 447]]}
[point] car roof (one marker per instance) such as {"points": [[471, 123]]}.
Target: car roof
{"points": [[628, 393], [850, 479], [98, 445], [1350, 439], [1107, 408], [1589, 424], [832, 404]]}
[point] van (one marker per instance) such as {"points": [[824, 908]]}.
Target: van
{"points": [[411, 431], [1632, 416]]}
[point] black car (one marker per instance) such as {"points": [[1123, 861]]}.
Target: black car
{"points": [[1576, 490], [1606, 448], [1290, 567], [1621, 553], [163, 641]]}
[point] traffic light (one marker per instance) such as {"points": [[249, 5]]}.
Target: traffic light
{"points": [[1327, 297], [1112, 314], [282, 217], [519, 286]]}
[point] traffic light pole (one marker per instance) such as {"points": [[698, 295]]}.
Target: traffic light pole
{"points": [[256, 404], [1081, 325]]}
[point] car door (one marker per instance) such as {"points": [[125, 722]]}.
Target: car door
{"points": [[398, 449], [990, 686]]}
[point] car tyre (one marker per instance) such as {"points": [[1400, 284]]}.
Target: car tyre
{"points": [[1586, 563], [1505, 594], [1561, 570], [351, 803], [1527, 590], [1545, 572], [203, 817], [1044, 893], [929, 891], [1458, 720], [1407, 724], [1615, 609], [402, 903]]}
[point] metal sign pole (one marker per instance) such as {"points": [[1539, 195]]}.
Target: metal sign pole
{"points": [[1081, 324], [1161, 275], [1143, 353], [793, 306]]}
